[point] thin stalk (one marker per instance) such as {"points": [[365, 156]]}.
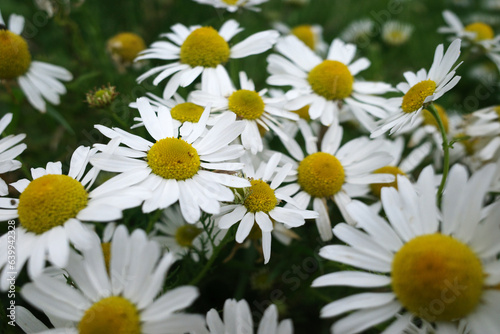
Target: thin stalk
{"points": [[446, 149]]}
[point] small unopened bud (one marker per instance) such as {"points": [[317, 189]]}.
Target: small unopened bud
{"points": [[100, 98]]}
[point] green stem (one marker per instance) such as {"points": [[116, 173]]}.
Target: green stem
{"points": [[229, 236], [446, 149]]}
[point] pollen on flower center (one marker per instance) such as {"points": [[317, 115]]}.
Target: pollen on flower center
{"points": [[430, 120], [246, 104], [260, 198], [305, 34], [187, 112], [415, 97], [185, 235], [437, 277], [204, 47], [331, 79], [49, 201], [321, 174], [173, 158], [377, 187], [15, 58], [111, 315], [483, 31]]}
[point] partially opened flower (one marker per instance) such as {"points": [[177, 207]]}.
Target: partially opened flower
{"points": [[438, 270], [201, 51], [38, 80], [327, 84], [175, 167], [422, 88], [9, 150], [52, 208], [237, 318], [125, 299]]}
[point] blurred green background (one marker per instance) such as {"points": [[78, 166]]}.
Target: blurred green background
{"points": [[76, 36]]}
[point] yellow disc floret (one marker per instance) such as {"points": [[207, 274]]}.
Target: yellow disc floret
{"points": [[247, 104], [126, 46], [415, 97], [106, 253], [305, 34], [482, 30], [497, 111], [15, 58], [204, 47], [321, 174], [331, 79], [303, 113], [260, 197], [187, 112], [377, 187], [173, 158], [437, 277], [185, 235], [111, 315], [49, 201], [230, 2], [430, 120]]}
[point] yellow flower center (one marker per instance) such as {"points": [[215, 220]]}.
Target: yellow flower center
{"points": [[483, 31], [331, 79], [437, 277], [305, 34], [173, 158], [430, 120], [204, 47], [187, 112], [497, 110], [377, 187], [111, 315], [303, 113], [106, 252], [415, 97], [260, 197], [126, 45], [321, 174], [186, 234], [49, 201], [230, 2], [15, 58], [246, 104]]}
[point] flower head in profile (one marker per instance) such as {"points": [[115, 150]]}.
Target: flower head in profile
{"points": [[38, 80], [126, 298], [201, 51], [326, 85], [422, 88], [435, 269], [51, 210], [233, 5]]}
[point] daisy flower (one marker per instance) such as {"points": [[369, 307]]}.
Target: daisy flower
{"points": [[327, 84], [485, 124], [310, 35], [396, 33], [233, 5], [422, 88], [38, 80], [120, 300], [52, 207], [185, 114], [237, 318], [9, 150], [259, 205], [358, 32], [336, 172], [438, 269], [179, 237], [176, 168], [201, 51], [252, 107]]}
